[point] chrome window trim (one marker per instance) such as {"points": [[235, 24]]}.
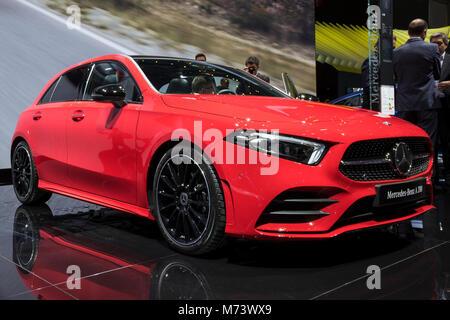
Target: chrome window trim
{"points": [[87, 81], [54, 89]]}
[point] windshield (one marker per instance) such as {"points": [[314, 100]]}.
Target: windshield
{"points": [[176, 76]]}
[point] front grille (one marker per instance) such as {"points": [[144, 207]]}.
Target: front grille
{"points": [[369, 160]]}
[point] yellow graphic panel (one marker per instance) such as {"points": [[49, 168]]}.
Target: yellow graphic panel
{"points": [[346, 47]]}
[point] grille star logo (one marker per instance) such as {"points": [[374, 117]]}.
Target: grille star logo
{"points": [[402, 159]]}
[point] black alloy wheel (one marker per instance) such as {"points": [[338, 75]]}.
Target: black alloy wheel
{"points": [[25, 240], [189, 204], [22, 171], [24, 176]]}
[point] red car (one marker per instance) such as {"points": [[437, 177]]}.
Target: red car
{"points": [[209, 151]]}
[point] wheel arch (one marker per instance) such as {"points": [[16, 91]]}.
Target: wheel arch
{"points": [[151, 170], [14, 144], [153, 164]]}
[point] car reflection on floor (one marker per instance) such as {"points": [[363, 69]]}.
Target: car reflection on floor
{"points": [[123, 257]]}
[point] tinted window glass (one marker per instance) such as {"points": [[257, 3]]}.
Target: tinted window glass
{"points": [[354, 101], [170, 76], [46, 98], [113, 73], [70, 85]]}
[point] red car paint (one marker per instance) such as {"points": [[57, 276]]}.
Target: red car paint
{"points": [[109, 165]]}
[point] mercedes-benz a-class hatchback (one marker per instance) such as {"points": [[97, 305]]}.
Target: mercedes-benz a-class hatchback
{"points": [[210, 151]]}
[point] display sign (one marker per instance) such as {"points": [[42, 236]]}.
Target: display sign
{"points": [[373, 25], [388, 99], [381, 74], [400, 193]]}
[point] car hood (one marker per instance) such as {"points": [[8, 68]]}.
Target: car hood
{"points": [[262, 109], [289, 115]]}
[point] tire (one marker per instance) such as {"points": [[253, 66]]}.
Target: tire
{"points": [[25, 178], [188, 203]]}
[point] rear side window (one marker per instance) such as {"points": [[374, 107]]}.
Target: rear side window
{"points": [[70, 85], [47, 97]]}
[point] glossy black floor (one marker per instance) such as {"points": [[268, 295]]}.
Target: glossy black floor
{"points": [[121, 256]]}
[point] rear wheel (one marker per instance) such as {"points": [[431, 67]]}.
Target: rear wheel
{"points": [[25, 178], [189, 203]]}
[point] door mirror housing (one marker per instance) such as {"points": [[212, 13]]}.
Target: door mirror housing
{"points": [[291, 90], [114, 93], [289, 86]]}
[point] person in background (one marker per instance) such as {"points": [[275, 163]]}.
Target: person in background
{"points": [[224, 84], [441, 39], [200, 57], [252, 67], [417, 67], [203, 85]]}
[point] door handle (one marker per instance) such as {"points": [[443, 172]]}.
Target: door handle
{"points": [[37, 116], [78, 116]]}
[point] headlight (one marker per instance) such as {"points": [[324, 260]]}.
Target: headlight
{"points": [[292, 148]]}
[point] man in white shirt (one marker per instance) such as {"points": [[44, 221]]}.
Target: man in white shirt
{"points": [[441, 40]]}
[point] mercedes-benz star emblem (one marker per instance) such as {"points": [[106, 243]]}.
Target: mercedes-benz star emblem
{"points": [[402, 159]]}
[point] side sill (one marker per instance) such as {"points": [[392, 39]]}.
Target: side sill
{"points": [[95, 199]]}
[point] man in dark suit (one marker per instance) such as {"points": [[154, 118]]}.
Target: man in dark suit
{"points": [[441, 39], [417, 69]]}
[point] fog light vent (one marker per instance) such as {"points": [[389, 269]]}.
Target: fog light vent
{"points": [[298, 206]]}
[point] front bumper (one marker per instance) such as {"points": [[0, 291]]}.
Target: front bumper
{"points": [[250, 194]]}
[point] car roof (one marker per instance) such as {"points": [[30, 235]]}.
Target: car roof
{"points": [[164, 57], [121, 56], [183, 59], [91, 60]]}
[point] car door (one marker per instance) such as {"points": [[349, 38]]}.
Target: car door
{"points": [[49, 125], [101, 137]]}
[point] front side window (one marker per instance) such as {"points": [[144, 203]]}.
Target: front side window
{"points": [[112, 72], [70, 85], [171, 76]]}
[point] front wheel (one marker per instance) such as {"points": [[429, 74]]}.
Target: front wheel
{"points": [[25, 178], [189, 203]]}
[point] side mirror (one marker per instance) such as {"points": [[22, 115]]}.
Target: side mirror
{"points": [[110, 93], [289, 86]]}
